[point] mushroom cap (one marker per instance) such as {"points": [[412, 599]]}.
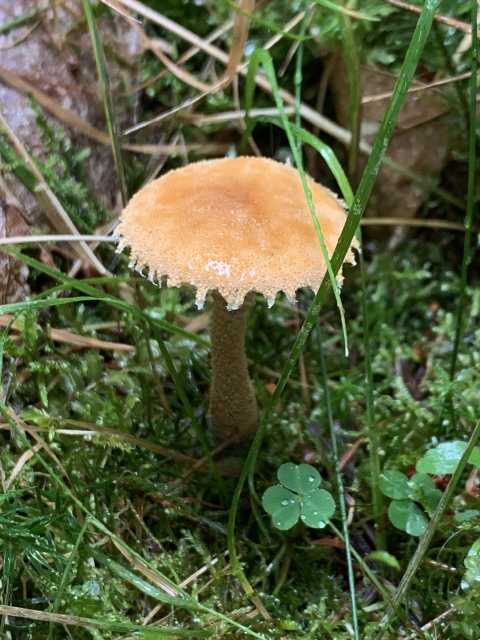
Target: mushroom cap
{"points": [[233, 225]]}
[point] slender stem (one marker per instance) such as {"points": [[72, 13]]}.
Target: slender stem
{"points": [[472, 187], [373, 440], [352, 64], [233, 407], [341, 490]]}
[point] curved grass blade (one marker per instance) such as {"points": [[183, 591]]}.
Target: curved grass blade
{"points": [[262, 57], [325, 151], [85, 287], [33, 305]]}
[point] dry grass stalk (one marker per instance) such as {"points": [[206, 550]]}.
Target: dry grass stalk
{"points": [[75, 122], [74, 339]]}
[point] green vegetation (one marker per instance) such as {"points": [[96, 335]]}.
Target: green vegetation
{"points": [[120, 516]]}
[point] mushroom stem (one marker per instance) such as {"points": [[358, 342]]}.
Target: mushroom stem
{"points": [[233, 407]]}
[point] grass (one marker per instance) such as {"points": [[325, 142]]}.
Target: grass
{"points": [[119, 518]]}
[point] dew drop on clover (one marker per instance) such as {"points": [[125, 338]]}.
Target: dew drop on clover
{"points": [[285, 502], [311, 478]]}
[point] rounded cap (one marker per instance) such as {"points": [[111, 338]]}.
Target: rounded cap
{"points": [[233, 225]]}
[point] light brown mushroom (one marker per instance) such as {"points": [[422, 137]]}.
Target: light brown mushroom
{"points": [[231, 226]]}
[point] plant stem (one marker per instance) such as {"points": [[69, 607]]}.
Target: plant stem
{"points": [[341, 490], [352, 64], [233, 407], [373, 440], [472, 187]]}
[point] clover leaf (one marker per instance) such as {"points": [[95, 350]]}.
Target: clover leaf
{"points": [[472, 565], [408, 517], [424, 490], [282, 505], [443, 459], [301, 478], [318, 506], [298, 498], [394, 484], [403, 512]]}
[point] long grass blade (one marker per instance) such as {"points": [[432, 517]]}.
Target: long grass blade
{"points": [[325, 151], [340, 489], [359, 204], [352, 65], [261, 56], [472, 189], [107, 98], [373, 439], [109, 626]]}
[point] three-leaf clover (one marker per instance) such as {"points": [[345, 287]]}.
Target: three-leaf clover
{"points": [[298, 497], [404, 512]]}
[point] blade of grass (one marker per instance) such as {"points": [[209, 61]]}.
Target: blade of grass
{"points": [[359, 204], [22, 20], [340, 488], [102, 71], [34, 305], [345, 11], [352, 64], [324, 150], [85, 287], [261, 56], [468, 253], [109, 626], [373, 440], [65, 576], [432, 527]]}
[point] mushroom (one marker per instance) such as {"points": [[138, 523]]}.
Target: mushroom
{"points": [[231, 226]]}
